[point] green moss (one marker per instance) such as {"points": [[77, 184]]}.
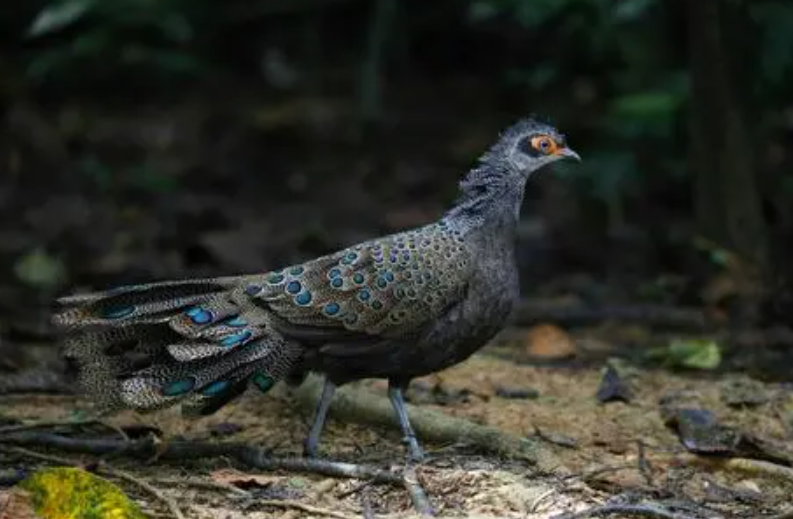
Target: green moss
{"points": [[72, 493]]}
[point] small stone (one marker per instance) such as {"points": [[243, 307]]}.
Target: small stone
{"points": [[744, 392], [613, 387], [700, 431]]}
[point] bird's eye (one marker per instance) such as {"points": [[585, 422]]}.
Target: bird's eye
{"points": [[543, 144]]}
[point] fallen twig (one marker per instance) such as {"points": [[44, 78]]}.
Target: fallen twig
{"points": [[188, 450], [37, 455], [57, 424], [759, 467], [202, 483], [170, 503], [297, 505], [645, 468], [416, 492], [361, 406], [637, 510], [753, 466], [366, 505], [242, 453]]}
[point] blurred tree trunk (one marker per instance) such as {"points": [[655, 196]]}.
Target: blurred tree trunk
{"points": [[722, 148]]}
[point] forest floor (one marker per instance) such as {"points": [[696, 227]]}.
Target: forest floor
{"points": [[195, 192], [616, 454]]}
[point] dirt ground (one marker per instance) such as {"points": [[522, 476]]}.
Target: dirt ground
{"points": [[612, 453]]}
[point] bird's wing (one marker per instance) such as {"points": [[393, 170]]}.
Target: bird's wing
{"points": [[384, 288]]}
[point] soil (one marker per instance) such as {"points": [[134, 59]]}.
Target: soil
{"points": [[613, 452]]}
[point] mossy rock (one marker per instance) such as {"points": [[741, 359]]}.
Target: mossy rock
{"points": [[72, 493]]}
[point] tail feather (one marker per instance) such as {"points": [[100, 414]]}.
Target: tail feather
{"points": [[137, 303], [148, 347], [264, 373]]}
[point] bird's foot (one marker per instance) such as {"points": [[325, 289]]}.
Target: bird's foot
{"points": [[415, 454], [309, 449]]}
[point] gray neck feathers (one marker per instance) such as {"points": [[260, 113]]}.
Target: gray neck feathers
{"points": [[490, 195]]}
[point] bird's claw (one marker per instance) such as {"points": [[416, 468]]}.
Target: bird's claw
{"points": [[309, 450], [415, 454]]}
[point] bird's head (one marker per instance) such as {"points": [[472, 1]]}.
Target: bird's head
{"points": [[529, 145]]}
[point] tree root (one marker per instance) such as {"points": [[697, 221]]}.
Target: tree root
{"points": [[361, 406]]}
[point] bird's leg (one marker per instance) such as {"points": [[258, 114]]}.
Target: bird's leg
{"points": [[395, 390], [312, 440]]}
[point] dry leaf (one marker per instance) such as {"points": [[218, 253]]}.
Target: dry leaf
{"points": [[549, 342]]}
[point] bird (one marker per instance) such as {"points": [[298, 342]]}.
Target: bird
{"points": [[395, 307]]}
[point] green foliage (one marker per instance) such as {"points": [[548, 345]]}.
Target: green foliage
{"points": [[142, 176], [73, 493], [635, 76], [689, 354], [40, 270], [57, 16], [775, 18], [144, 35], [535, 13]]}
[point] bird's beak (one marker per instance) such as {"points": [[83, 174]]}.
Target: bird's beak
{"points": [[568, 153]]}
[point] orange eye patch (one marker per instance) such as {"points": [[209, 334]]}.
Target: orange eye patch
{"points": [[544, 144]]}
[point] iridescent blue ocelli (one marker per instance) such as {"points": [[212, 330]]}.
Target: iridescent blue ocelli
{"points": [[303, 298], [236, 322], [252, 290], [237, 338], [118, 312], [179, 387], [262, 382], [199, 315], [215, 388], [332, 308]]}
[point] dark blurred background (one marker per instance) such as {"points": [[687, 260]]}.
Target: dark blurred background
{"points": [[154, 139]]}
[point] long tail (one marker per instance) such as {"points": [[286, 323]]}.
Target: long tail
{"points": [[195, 342]]}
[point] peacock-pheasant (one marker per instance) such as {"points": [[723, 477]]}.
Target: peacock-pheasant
{"points": [[395, 307]]}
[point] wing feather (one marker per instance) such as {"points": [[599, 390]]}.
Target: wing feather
{"points": [[387, 287]]}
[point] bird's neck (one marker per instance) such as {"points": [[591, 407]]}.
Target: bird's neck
{"points": [[489, 197]]}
